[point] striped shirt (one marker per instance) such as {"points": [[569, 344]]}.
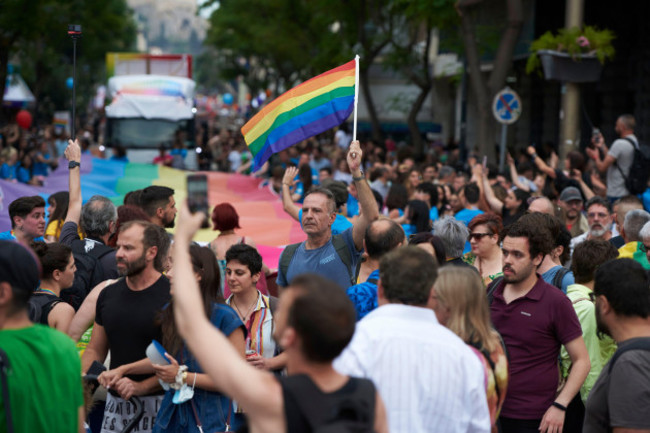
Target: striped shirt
{"points": [[260, 327], [428, 378]]}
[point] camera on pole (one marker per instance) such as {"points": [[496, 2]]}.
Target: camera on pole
{"points": [[74, 31]]}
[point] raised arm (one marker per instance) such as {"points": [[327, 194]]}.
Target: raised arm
{"points": [[577, 176], [288, 181], [369, 211], [73, 154], [515, 176], [493, 201], [539, 162], [259, 392]]}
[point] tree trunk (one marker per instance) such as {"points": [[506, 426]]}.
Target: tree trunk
{"points": [[4, 61], [370, 104], [411, 121], [486, 88]]}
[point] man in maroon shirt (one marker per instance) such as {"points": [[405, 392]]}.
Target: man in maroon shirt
{"points": [[535, 319]]}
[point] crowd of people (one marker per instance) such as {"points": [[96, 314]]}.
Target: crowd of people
{"points": [[428, 296]]}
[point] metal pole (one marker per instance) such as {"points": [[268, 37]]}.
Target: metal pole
{"points": [[74, 84], [502, 148]]}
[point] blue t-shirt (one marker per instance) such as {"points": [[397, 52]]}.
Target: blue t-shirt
{"points": [[353, 206], [41, 168], [433, 214], [409, 229], [340, 224], [567, 280], [7, 171], [8, 236], [23, 174], [645, 197], [364, 295], [466, 215], [323, 261]]}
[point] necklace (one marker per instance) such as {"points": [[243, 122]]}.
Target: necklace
{"points": [[243, 317], [41, 290]]}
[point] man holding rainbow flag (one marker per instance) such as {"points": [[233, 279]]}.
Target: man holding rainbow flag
{"points": [[313, 107]]}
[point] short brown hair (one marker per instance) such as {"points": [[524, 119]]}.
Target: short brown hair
{"points": [[23, 206], [407, 275], [322, 315], [540, 239], [588, 256], [153, 236]]}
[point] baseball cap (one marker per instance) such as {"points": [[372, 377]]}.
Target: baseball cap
{"points": [[570, 193], [18, 266]]}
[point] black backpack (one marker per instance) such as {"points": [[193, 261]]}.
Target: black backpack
{"points": [[333, 413], [89, 271], [643, 344], [39, 306], [636, 182]]}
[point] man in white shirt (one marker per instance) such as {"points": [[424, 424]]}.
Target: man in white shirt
{"points": [[428, 377]]}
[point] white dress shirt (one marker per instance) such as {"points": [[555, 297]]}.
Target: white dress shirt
{"points": [[429, 379]]}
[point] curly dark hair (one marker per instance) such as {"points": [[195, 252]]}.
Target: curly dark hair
{"points": [[540, 239]]}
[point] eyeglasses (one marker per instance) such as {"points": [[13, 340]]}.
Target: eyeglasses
{"points": [[599, 215], [477, 236], [592, 297]]}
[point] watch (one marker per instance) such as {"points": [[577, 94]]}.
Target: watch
{"points": [[358, 178], [73, 164]]}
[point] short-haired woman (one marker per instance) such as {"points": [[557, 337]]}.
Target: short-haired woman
{"points": [[485, 255]]}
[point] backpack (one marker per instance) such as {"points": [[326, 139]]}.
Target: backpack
{"points": [[337, 412], [643, 344], [342, 250], [636, 182], [89, 271], [39, 306]]}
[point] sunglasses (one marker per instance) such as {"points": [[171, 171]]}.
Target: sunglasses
{"points": [[592, 297], [643, 247], [477, 236]]}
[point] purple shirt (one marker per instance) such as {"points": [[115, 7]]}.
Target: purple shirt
{"points": [[533, 328]]}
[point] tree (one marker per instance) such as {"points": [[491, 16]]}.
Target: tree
{"points": [[34, 32], [486, 87], [281, 42]]}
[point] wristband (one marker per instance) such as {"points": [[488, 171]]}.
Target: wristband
{"points": [[533, 156], [559, 406], [73, 164], [358, 178]]}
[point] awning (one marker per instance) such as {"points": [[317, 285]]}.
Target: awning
{"points": [[17, 94]]}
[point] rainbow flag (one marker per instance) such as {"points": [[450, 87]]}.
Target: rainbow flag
{"points": [[308, 109]]}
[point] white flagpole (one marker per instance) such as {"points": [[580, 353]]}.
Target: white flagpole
{"points": [[356, 96]]}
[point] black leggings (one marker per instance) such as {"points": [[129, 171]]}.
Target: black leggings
{"points": [[511, 425]]}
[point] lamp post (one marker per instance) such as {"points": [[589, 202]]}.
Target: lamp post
{"points": [[74, 31]]}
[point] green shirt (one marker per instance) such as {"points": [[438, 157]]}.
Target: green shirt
{"points": [[44, 380], [600, 349]]}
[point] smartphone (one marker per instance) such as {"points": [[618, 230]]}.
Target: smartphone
{"points": [[197, 193], [484, 162], [595, 136]]}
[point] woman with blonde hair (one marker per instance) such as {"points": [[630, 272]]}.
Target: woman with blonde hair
{"points": [[459, 301]]}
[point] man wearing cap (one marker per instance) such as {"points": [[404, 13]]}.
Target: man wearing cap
{"points": [[28, 348], [572, 203]]}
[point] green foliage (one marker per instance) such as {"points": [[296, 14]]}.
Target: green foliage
{"points": [[576, 42], [34, 35]]}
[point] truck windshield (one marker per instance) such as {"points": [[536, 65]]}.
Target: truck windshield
{"points": [[144, 133]]}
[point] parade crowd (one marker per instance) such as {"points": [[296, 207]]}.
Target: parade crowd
{"points": [[430, 294]]}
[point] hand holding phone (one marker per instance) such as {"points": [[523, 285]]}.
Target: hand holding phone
{"points": [[197, 195]]}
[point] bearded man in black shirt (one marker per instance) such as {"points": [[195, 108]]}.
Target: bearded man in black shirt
{"points": [[126, 323]]}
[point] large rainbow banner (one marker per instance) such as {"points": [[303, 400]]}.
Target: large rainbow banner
{"points": [[310, 108]]}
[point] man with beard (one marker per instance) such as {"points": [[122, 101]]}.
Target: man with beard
{"points": [[535, 320], [619, 400], [600, 220], [158, 202], [572, 204], [126, 321]]}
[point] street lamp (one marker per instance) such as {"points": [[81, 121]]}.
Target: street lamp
{"points": [[74, 31]]}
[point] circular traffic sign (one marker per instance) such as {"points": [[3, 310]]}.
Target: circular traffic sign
{"points": [[506, 106]]}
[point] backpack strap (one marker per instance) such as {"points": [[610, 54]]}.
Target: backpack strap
{"points": [[40, 306], [643, 344], [636, 147], [4, 368], [492, 287], [285, 258], [343, 252], [559, 276]]}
